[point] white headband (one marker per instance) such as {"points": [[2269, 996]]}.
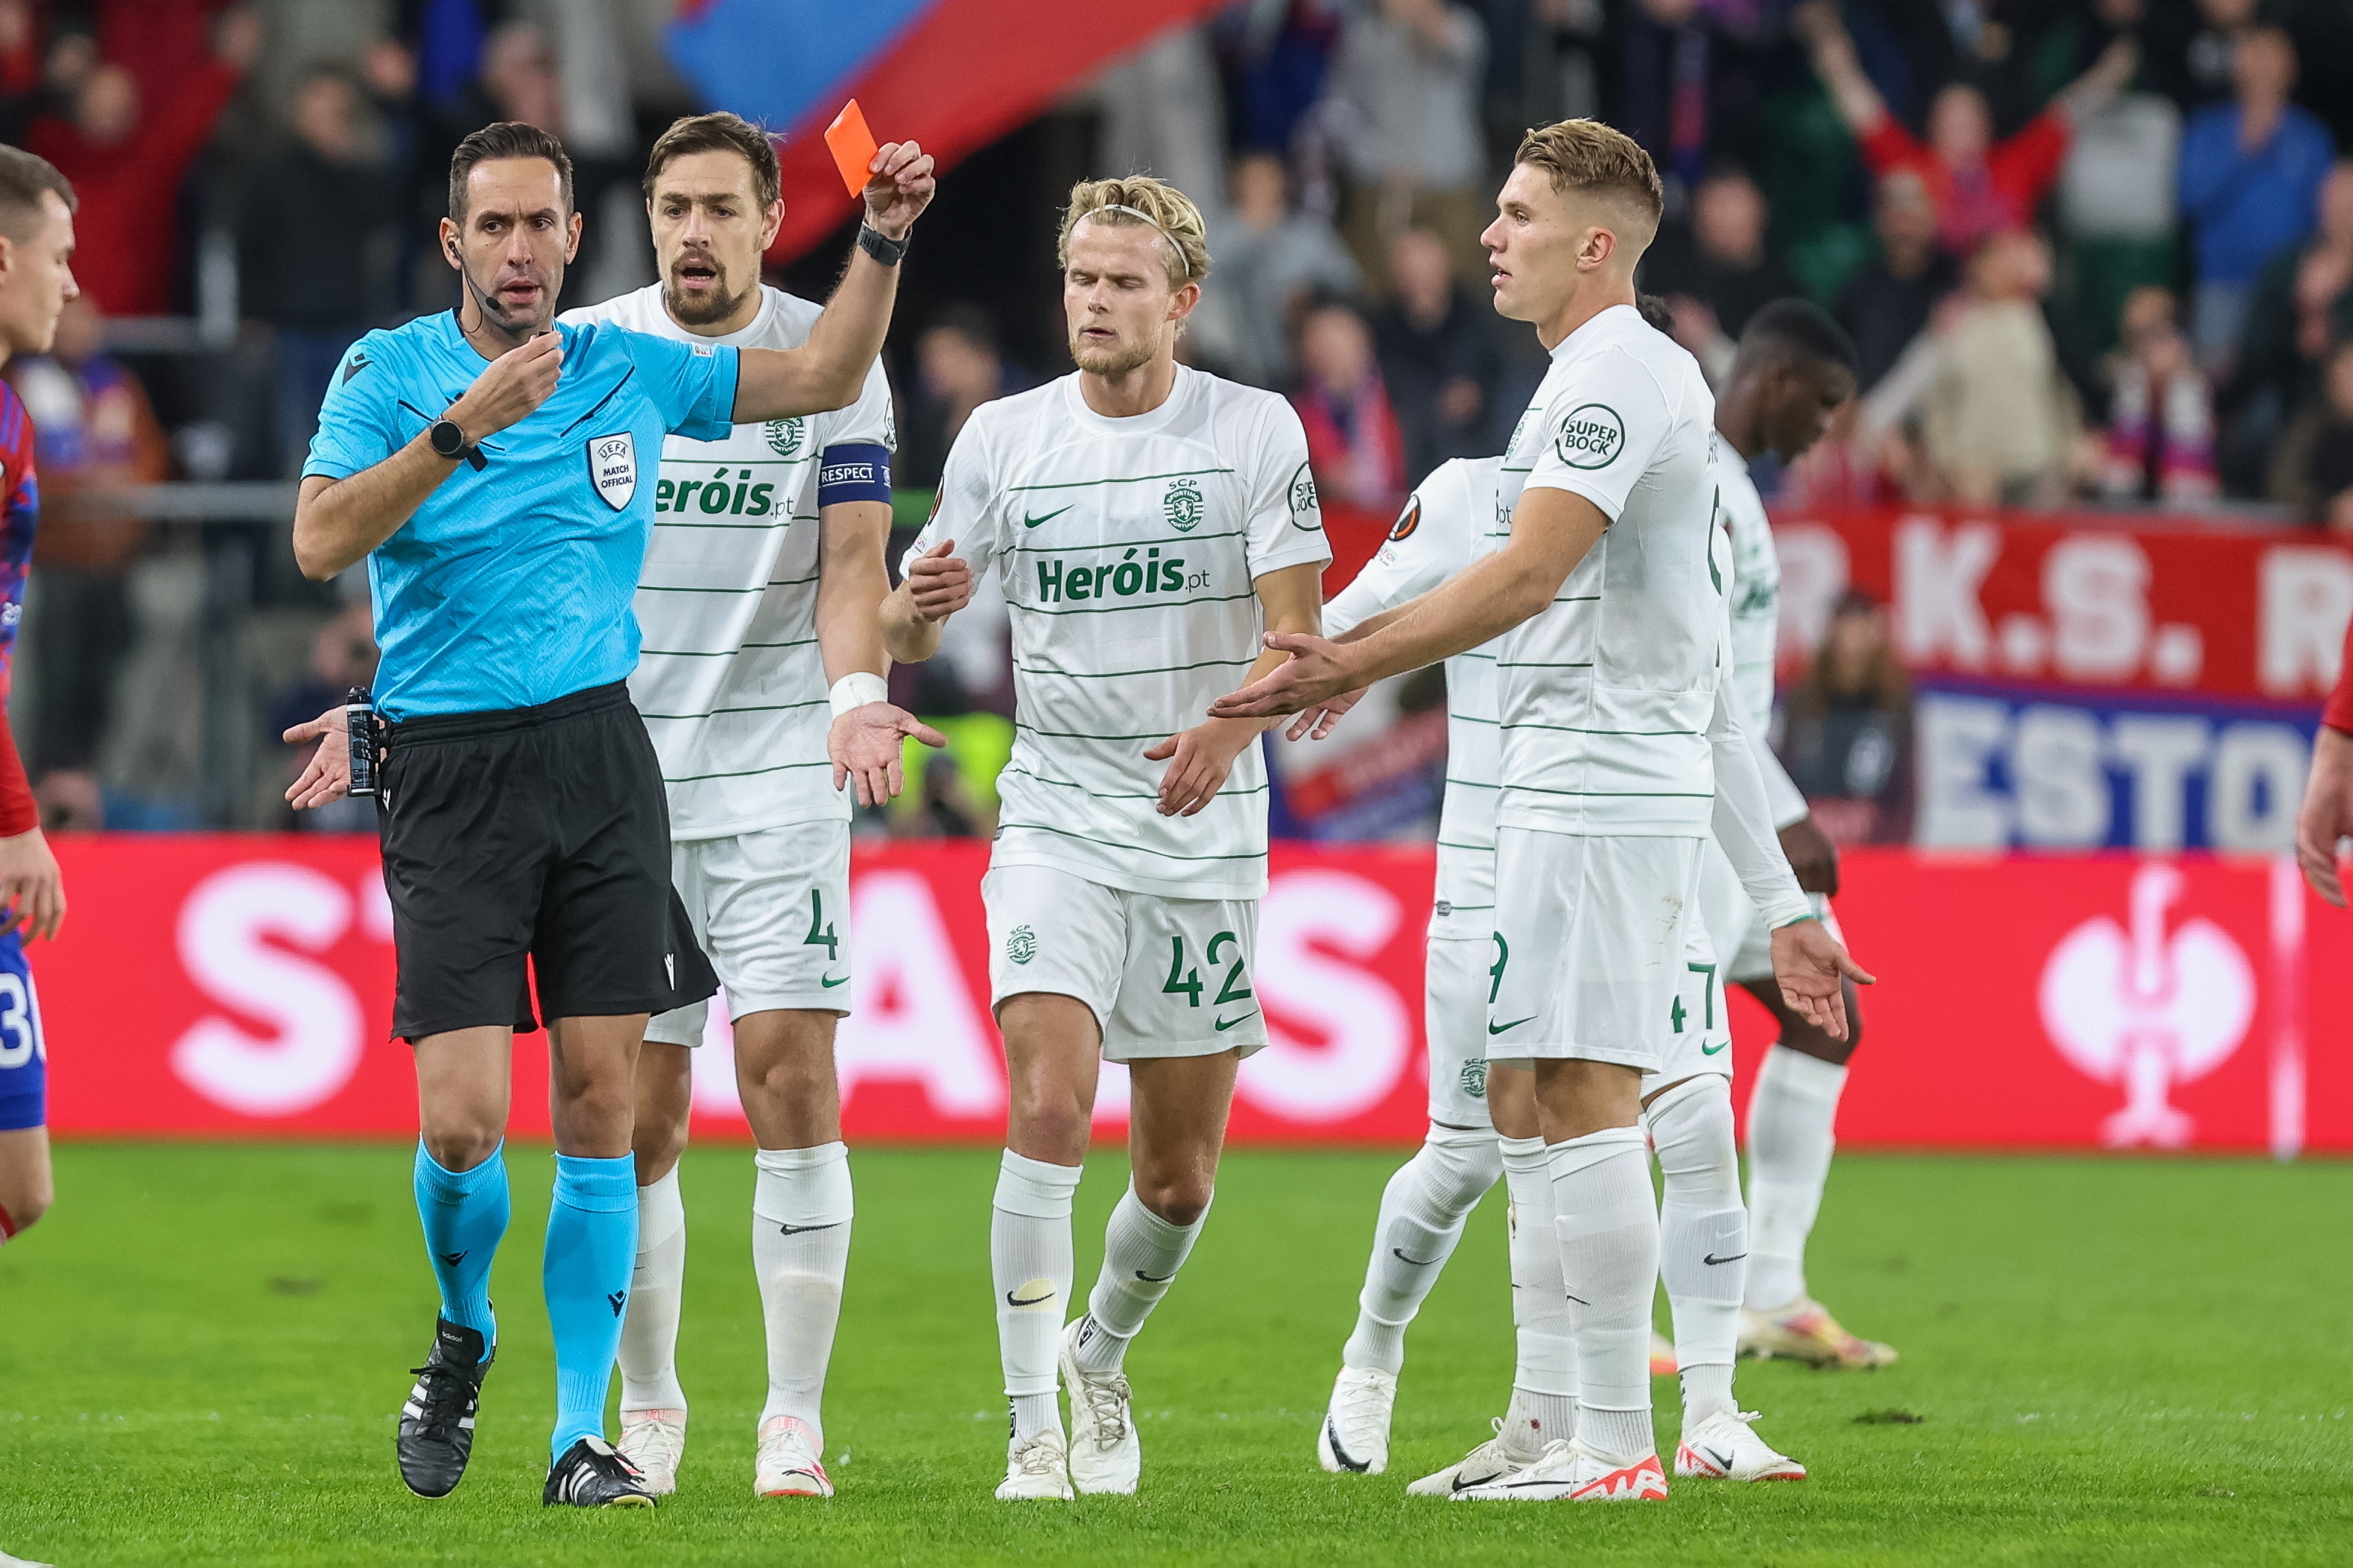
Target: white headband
{"points": [[1147, 217]]}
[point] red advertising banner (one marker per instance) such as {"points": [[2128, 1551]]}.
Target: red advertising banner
{"points": [[241, 986], [2085, 599]]}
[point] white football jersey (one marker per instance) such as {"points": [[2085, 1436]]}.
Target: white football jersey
{"points": [[1754, 600], [731, 680], [1126, 550], [1453, 519], [1607, 692]]}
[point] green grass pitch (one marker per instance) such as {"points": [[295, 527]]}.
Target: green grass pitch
{"points": [[2113, 1361]]}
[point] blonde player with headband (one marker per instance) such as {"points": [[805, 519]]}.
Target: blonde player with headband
{"points": [[1148, 524]]}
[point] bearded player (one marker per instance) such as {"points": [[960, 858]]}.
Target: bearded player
{"points": [[1619, 756], [761, 682], [1794, 366], [1148, 524], [37, 246]]}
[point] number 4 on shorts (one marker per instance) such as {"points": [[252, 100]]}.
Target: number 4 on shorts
{"points": [[1187, 983], [820, 929]]}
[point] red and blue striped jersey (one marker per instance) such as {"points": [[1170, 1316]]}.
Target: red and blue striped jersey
{"points": [[20, 504]]}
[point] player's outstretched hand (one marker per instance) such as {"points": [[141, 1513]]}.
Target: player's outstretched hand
{"points": [[1199, 760], [938, 583], [328, 775], [1318, 719], [1808, 963], [510, 388], [1812, 856], [865, 744], [32, 893], [2326, 815], [1314, 675], [901, 189]]}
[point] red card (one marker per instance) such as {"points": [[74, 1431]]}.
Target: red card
{"points": [[853, 146]]}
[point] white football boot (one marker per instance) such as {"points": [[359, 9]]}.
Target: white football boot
{"points": [[1725, 1446], [1104, 1454], [1490, 1461], [1355, 1436], [654, 1441], [789, 1464], [1574, 1472], [1036, 1469]]}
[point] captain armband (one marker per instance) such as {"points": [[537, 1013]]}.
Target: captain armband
{"points": [[857, 471]]}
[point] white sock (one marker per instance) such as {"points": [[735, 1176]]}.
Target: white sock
{"points": [[1422, 1211], [1029, 1262], [1790, 1114], [1702, 1236], [801, 1211], [1544, 1383], [1142, 1253], [1609, 1226], [649, 1354]]}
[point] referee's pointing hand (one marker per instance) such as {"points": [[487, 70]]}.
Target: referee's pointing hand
{"points": [[510, 388]]}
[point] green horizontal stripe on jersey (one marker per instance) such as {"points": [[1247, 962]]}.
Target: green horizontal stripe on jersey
{"points": [[1133, 480], [1155, 854], [1114, 609], [1099, 795], [1625, 794], [1472, 719], [1155, 669], [774, 583], [1082, 735], [1475, 849], [1471, 783], [749, 708], [1125, 543], [1467, 909], [743, 772], [1474, 657], [1577, 599], [719, 652], [1581, 730]]}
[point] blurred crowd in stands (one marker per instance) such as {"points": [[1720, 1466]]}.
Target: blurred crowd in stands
{"points": [[2094, 252]]}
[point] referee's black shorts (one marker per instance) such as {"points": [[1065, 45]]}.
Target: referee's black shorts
{"points": [[538, 832]]}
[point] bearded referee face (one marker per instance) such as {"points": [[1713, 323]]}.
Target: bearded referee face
{"points": [[511, 249], [709, 232]]}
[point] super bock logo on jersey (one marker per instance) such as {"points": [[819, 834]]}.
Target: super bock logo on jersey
{"points": [[1303, 503], [786, 436], [1592, 436], [1182, 503], [613, 467]]}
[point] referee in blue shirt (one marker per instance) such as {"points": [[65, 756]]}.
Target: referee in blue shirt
{"points": [[496, 472]]}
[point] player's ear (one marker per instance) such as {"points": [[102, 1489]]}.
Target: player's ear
{"points": [[572, 237], [449, 242], [1181, 305], [772, 223]]}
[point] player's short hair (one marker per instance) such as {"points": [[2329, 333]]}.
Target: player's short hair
{"points": [[1657, 314], [506, 139], [22, 178], [1142, 201], [1798, 328], [1585, 155], [720, 133]]}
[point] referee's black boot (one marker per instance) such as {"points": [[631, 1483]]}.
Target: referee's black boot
{"points": [[591, 1475], [437, 1425]]}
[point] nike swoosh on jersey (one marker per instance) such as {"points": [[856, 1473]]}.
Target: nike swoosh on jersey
{"points": [[1029, 522]]}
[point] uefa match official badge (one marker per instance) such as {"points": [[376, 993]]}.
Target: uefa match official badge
{"points": [[613, 467]]}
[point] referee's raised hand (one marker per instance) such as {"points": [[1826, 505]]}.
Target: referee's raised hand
{"points": [[901, 188], [510, 388]]}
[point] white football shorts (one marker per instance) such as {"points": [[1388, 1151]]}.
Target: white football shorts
{"points": [[1590, 945], [1456, 978], [771, 910], [1697, 1036], [1164, 977]]}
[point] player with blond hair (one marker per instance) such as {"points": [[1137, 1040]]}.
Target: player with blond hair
{"points": [[1148, 524], [1620, 754]]}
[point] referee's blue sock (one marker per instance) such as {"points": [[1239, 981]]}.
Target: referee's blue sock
{"points": [[464, 1215], [592, 1246]]}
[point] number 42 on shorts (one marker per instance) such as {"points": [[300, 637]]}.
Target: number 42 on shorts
{"points": [[1186, 982]]}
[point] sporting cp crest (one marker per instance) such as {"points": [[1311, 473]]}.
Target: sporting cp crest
{"points": [[1021, 945], [786, 436], [1474, 1080], [1183, 502], [613, 467]]}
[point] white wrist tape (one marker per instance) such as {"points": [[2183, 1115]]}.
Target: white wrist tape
{"points": [[856, 690]]}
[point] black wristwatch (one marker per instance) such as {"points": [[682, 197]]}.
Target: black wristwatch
{"points": [[887, 251], [448, 439]]}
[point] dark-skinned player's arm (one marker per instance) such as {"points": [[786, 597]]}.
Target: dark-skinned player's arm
{"points": [[1552, 530], [864, 743], [1198, 759], [2326, 819], [828, 371], [1808, 962]]}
